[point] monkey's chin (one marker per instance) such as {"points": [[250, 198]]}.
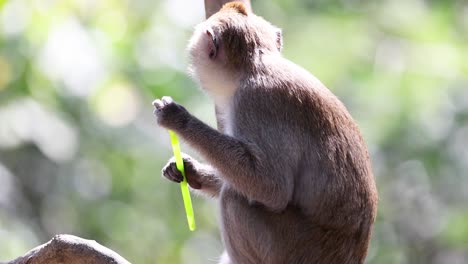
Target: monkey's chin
{"points": [[196, 73], [214, 80], [192, 72]]}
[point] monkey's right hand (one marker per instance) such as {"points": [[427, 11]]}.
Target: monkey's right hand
{"points": [[171, 172], [170, 114]]}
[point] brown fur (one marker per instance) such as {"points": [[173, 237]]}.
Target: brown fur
{"points": [[237, 7], [289, 166]]}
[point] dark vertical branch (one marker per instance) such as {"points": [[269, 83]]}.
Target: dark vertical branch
{"points": [[212, 6]]}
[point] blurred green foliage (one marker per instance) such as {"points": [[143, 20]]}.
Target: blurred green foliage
{"points": [[80, 152]]}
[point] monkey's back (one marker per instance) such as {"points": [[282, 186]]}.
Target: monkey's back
{"points": [[307, 135]]}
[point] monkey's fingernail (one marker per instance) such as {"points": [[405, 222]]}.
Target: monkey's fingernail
{"points": [[166, 99], [157, 103]]}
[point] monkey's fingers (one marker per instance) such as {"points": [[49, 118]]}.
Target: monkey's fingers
{"points": [[160, 103], [167, 100], [192, 175], [171, 172]]}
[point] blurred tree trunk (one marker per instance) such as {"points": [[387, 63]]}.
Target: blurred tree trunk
{"points": [[212, 6]]}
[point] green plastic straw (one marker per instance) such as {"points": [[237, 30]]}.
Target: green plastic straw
{"points": [[183, 185]]}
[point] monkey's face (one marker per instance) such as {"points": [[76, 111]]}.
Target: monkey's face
{"points": [[229, 44], [208, 60]]}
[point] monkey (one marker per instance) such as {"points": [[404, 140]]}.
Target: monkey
{"points": [[288, 164]]}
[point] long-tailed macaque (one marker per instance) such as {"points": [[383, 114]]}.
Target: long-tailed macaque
{"points": [[288, 163]]}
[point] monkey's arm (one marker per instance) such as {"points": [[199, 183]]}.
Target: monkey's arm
{"points": [[241, 164], [200, 176]]}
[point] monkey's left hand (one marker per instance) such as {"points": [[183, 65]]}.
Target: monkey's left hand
{"points": [[170, 114]]}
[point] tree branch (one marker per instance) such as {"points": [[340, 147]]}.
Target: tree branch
{"points": [[70, 249]]}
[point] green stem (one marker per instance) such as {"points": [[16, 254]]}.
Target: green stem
{"points": [[183, 185]]}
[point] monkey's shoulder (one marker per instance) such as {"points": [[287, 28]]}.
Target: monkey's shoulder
{"points": [[278, 76], [281, 85], [284, 97]]}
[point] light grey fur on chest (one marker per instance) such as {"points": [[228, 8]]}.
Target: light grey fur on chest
{"points": [[225, 117]]}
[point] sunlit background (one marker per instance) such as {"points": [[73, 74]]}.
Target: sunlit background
{"points": [[80, 152]]}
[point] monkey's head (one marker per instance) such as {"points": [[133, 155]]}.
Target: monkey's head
{"points": [[230, 43]]}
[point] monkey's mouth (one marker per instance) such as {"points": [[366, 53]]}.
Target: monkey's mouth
{"points": [[214, 44]]}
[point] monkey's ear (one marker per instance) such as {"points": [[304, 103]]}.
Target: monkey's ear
{"points": [[213, 43], [279, 39]]}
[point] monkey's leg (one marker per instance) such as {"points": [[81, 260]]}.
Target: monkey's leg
{"points": [[200, 176]]}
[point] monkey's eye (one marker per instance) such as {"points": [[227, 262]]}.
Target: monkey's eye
{"points": [[214, 44]]}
